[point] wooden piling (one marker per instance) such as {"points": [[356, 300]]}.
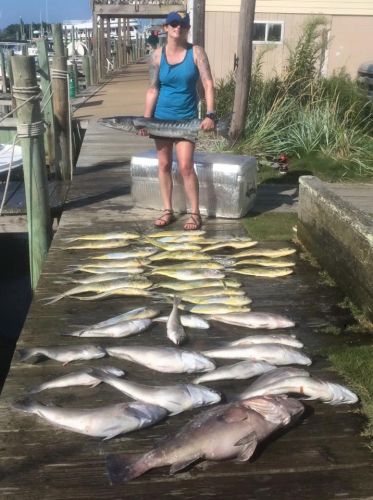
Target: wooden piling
{"points": [[120, 43], [93, 69], [87, 70], [45, 84], [36, 186], [3, 71], [101, 49], [58, 46]]}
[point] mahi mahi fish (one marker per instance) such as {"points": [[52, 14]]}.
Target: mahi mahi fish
{"points": [[81, 377], [105, 422], [103, 236], [163, 359], [175, 398], [178, 129], [228, 431]]}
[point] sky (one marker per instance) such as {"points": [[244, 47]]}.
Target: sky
{"points": [[53, 11]]}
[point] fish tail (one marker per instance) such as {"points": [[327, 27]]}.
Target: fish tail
{"points": [[223, 126], [52, 300], [122, 468], [25, 354], [28, 405]]}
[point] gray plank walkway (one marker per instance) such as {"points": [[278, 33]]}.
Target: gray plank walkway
{"points": [[324, 457]]}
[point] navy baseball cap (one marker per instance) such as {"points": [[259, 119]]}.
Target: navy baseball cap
{"points": [[180, 16]]}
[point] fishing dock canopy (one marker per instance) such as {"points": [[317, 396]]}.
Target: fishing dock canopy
{"points": [[134, 8]]}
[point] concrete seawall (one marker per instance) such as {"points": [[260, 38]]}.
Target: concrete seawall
{"points": [[340, 237]]}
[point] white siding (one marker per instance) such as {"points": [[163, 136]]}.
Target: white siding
{"points": [[336, 7]]}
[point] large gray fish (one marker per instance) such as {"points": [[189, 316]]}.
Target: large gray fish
{"points": [[185, 129], [118, 330], [227, 431], [313, 388], [138, 313], [268, 321], [275, 354], [105, 422], [238, 371], [64, 354], [163, 359], [282, 373], [175, 398], [81, 377], [175, 329]]}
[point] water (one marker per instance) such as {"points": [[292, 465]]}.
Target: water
{"points": [[15, 295]]}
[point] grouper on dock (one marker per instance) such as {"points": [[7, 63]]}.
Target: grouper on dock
{"points": [[227, 431], [178, 129]]}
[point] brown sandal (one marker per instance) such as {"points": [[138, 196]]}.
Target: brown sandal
{"points": [[196, 222], [166, 218]]}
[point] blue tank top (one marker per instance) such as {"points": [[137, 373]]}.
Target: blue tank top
{"points": [[177, 98]]}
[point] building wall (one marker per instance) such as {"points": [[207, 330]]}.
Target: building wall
{"points": [[332, 7], [350, 41]]}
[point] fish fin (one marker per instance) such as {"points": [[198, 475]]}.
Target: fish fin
{"points": [[122, 468], [249, 443], [95, 384], [178, 466], [26, 404], [25, 354], [52, 300], [269, 410]]}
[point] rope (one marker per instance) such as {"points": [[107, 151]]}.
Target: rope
{"points": [[59, 74], [26, 93], [25, 130]]}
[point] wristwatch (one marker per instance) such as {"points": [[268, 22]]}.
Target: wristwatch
{"points": [[211, 115]]}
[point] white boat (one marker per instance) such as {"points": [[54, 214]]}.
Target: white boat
{"points": [[6, 158]]}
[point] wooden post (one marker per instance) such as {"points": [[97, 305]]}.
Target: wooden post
{"points": [[198, 35], [45, 79], [108, 42], [58, 47], [128, 42], [95, 44], [3, 71], [86, 70], [101, 49], [62, 119], [93, 70], [73, 41], [36, 186], [74, 71], [243, 78], [120, 44]]}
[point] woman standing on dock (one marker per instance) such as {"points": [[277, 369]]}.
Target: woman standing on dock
{"points": [[172, 95]]}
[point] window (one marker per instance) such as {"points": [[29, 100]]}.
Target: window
{"points": [[268, 32]]}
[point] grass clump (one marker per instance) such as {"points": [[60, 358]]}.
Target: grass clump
{"points": [[271, 226], [324, 124], [356, 366]]}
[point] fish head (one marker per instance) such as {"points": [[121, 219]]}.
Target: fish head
{"points": [[283, 322], [120, 122], [277, 410], [197, 362], [203, 395], [341, 395]]}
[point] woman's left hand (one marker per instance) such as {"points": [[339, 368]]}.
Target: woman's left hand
{"points": [[207, 124]]}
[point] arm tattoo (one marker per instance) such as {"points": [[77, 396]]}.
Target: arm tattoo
{"points": [[154, 72], [203, 65]]}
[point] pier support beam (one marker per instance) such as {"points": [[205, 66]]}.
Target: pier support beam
{"points": [[36, 186]]}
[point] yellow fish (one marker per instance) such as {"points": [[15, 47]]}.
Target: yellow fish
{"points": [[265, 272]]}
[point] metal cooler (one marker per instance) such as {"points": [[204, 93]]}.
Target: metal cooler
{"points": [[228, 183]]}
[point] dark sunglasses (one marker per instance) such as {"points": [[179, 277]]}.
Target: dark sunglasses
{"points": [[175, 24]]}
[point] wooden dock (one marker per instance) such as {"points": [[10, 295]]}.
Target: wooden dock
{"points": [[323, 457]]}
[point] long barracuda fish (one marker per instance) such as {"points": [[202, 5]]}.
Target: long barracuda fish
{"points": [[185, 129]]}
